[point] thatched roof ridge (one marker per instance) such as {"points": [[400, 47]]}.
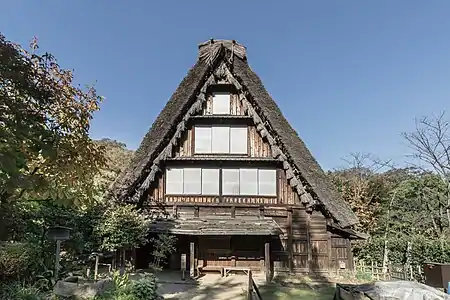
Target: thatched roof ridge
{"points": [[302, 158], [163, 129]]}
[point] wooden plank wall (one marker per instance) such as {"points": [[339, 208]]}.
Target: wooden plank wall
{"points": [[185, 147], [339, 252], [258, 146], [157, 191], [286, 195], [319, 242], [300, 240]]}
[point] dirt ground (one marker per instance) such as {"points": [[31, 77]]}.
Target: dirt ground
{"points": [[215, 287]]}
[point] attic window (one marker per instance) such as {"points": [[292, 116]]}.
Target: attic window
{"points": [[220, 140], [221, 103]]}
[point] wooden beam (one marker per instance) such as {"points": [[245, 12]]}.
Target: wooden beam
{"points": [[192, 260], [289, 242], [175, 211], [196, 211], [261, 211], [308, 241], [267, 261], [250, 286], [214, 204], [351, 262], [220, 185], [330, 251]]}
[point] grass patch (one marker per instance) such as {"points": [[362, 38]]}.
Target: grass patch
{"points": [[302, 292]]}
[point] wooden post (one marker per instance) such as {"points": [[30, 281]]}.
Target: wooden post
{"points": [[351, 262], [192, 260], [330, 256], [250, 286], [308, 241], [134, 258], [267, 261], [58, 251], [371, 269], [196, 211], [96, 267], [289, 241], [183, 266]]}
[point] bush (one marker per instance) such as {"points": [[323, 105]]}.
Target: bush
{"points": [[18, 261], [19, 291], [144, 288]]}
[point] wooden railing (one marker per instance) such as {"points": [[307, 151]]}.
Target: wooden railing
{"points": [[391, 272], [252, 288]]}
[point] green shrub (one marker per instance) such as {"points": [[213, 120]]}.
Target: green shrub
{"points": [[18, 261], [144, 288], [19, 291]]}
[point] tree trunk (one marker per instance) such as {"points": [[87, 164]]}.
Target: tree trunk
{"points": [[385, 254], [122, 261], [448, 205], [408, 259], [386, 230]]}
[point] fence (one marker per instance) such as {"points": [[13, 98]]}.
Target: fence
{"points": [[391, 272], [252, 288]]}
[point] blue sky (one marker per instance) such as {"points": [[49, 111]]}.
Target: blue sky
{"points": [[349, 75]]}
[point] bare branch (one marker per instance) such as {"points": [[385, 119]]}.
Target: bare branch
{"points": [[430, 143], [366, 161]]}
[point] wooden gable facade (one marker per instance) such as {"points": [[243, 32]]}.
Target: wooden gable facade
{"points": [[238, 186]]}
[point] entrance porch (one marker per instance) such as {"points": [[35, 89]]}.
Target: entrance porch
{"points": [[223, 245]]}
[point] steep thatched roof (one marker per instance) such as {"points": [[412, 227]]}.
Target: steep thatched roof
{"points": [[165, 125]]}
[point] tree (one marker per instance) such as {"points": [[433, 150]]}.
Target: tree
{"points": [[362, 187], [45, 149], [430, 143], [122, 227], [117, 158]]}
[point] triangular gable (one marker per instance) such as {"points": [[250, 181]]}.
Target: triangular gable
{"points": [[303, 172]]}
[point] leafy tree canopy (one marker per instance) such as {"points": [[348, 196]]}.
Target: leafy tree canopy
{"points": [[45, 149]]}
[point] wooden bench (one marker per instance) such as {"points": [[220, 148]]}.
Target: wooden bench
{"points": [[227, 270], [201, 269]]}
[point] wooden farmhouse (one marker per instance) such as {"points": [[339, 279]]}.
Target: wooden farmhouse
{"points": [[239, 187]]}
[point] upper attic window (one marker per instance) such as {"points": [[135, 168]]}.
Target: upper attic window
{"points": [[221, 103]]}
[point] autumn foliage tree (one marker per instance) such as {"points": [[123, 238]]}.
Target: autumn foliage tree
{"points": [[361, 185], [45, 149]]}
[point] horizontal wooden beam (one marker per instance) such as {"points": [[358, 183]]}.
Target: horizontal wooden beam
{"points": [[207, 204]]}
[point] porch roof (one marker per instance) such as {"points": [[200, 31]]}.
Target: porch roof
{"points": [[217, 226]]}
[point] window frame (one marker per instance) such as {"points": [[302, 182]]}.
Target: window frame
{"points": [[229, 104], [257, 185], [211, 139], [201, 181], [220, 182]]}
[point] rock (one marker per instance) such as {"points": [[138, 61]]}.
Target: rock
{"points": [[81, 291], [73, 279]]}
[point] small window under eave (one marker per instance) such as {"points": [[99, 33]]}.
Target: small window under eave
{"points": [[221, 103]]}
